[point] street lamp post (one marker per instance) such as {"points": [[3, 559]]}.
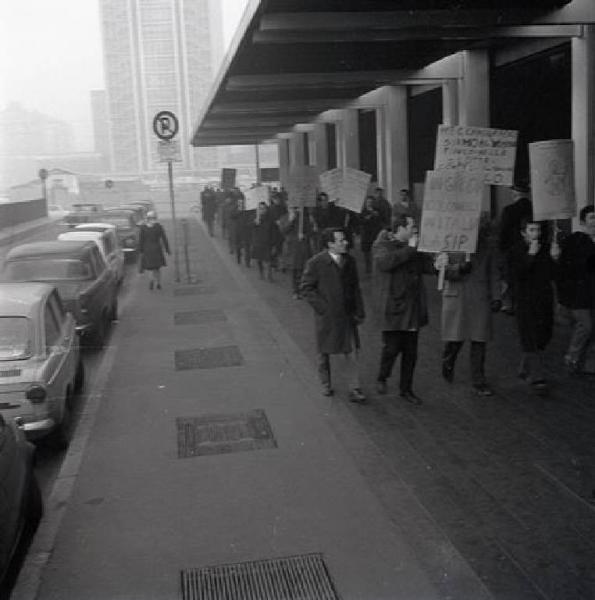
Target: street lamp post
{"points": [[43, 175]]}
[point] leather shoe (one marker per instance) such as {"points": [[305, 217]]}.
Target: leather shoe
{"points": [[411, 397], [356, 395], [381, 387]]}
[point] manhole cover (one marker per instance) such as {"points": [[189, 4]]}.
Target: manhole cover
{"points": [[208, 358], [303, 577], [199, 317], [223, 434], [194, 290]]}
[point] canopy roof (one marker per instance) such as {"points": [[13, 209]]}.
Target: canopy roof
{"points": [[293, 59]]}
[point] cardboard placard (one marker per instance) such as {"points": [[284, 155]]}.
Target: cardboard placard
{"points": [[255, 195], [477, 150], [452, 207], [346, 186], [302, 186], [552, 179]]}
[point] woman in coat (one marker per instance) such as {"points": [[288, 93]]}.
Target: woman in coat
{"points": [[151, 244], [471, 293]]}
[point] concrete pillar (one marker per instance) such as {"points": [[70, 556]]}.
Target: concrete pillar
{"points": [[395, 155], [583, 115], [450, 102], [474, 89], [283, 150], [320, 158], [381, 145], [348, 139], [296, 149]]}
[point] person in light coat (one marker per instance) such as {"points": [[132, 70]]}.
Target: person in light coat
{"points": [[471, 293]]}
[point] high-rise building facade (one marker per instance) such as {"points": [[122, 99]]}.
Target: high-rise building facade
{"points": [[158, 55], [101, 134]]}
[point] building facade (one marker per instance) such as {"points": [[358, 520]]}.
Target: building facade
{"points": [[158, 55]]}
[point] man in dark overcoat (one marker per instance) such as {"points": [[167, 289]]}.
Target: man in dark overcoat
{"points": [[401, 301], [330, 284]]}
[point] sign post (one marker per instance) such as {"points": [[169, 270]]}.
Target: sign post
{"points": [[165, 126]]}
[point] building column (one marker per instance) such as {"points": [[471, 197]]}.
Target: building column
{"points": [[348, 145], [583, 117], [320, 157], [283, 151], [380, 146], [474, 89], [450, 102], [395, 142], [296, 149]]}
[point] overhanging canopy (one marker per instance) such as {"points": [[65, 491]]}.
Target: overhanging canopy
{"points": [[293, 59]]}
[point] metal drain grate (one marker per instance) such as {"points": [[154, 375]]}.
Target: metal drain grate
{"points": [[208, 358], [195, 290], [224, 434], [199, 317], [303, 577]]}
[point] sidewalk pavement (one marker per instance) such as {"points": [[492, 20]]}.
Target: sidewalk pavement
{"points": [[138, 514]]}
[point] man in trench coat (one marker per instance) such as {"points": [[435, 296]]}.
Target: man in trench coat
{"points": [[330, 284]]}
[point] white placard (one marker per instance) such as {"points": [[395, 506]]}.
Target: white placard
{"points": [[476, 150], [552, 179], [346, 186], [331, 182], [302, 186], [255, 195], [451, 211]]}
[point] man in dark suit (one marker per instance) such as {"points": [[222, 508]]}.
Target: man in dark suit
{"points": [[330, 285], [401, 302]]}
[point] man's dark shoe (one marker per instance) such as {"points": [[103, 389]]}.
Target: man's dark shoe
{"points": [[381, 387], [409, 396], [356, 395], [483, 389]]}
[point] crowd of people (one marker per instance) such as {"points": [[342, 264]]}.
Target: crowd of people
{"points": [[522, 267]]}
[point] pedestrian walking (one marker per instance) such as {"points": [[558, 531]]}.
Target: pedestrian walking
{"points": [[295, 226], [533, 271], [401, 304], [330, 285], [576, 289], [276, 211], [371, 223], [382, 206], [404, 206], [209, 208], [471, 293], [151, 245], [262, 240]]}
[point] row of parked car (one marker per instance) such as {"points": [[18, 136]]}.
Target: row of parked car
{"points": [[54, 297]]}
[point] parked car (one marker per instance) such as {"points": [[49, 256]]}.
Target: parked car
{"points": [[107, 241], [126, 229], [140, 211], [40, 361], [87, 286], [148, 204], [20, 498], [56, 211], [83, 213]]}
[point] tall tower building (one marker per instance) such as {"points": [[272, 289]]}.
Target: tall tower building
{"points": [[158, 55]]}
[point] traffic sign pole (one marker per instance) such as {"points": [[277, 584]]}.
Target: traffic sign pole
{"points": [[170, 174]]}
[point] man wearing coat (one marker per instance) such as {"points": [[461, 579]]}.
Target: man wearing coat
{"points": [[471, 293], [401, 302], [330, 284]]}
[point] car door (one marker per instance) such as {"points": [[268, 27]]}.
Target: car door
{"points": [[53, 363], [105, 283], [67, 344]]}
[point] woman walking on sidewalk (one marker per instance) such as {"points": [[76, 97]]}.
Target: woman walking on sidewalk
{"points": [[152, 241]]}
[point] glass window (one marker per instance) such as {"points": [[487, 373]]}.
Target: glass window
{"points": [[15, 338], [52, 329], [55, 269]]}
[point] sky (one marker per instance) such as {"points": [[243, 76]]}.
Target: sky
{"points": [[51, 57]]}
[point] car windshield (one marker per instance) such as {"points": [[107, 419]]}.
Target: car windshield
{"points": [[15, 342], [85, 207], [119, 221], [54, 269]]}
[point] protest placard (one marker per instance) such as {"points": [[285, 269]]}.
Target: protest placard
{"points": [[255, 195], [552, 179], [302, 186], [331, 182], [451, 211], [228, 178], [346, 186], [477, 150]]}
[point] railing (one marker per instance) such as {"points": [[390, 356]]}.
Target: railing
{"points": [[16, 213]]}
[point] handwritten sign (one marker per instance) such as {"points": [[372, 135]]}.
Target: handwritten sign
{"points": [[451, 211], [255, 195], [552, 179], [228, 179], [302, 186], [477, 150], [346, 186]]}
